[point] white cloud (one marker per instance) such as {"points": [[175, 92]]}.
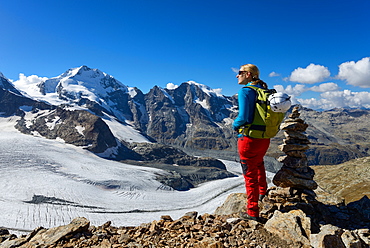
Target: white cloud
{"points": [[356, 73], [29, 84], [325, 87], [298, 89], [295, 90], [218, 91], [310, 75], [274, 74], [171, 86], [338, 99], [292, 91]]}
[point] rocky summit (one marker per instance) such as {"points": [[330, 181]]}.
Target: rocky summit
{"points": [[289, 219]]}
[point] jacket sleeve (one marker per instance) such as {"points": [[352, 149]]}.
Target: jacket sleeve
{"points": [[246, 101]]}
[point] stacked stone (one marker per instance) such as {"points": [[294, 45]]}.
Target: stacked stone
{"points": [[295, 172]]}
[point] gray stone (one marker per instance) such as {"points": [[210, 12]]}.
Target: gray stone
{"points": [[364, 234], [328, 237], [293, 147], [294, 134], [284, 179], [294, 227], [234, 203], [293, 162], [47, 237], [296, 126], [351, 239], [303, 172], [297, 154]]}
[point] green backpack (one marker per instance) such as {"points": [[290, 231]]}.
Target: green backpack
{"points": [[266, 123]]}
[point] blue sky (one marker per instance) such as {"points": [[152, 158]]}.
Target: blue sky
{"points": [[316, 51]]}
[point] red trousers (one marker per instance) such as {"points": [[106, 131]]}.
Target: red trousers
{"points": [[251, 152]]}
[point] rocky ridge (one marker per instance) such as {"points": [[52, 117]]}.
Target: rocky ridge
{"points": [[330, 225], [335, 136]]}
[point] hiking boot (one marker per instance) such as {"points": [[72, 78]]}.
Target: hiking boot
{"points": [[245, 216]]}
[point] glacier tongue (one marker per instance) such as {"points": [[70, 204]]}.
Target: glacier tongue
{"points": [[48, 183]]}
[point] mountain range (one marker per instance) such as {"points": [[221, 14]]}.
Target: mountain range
{"points": [[87, 107]]}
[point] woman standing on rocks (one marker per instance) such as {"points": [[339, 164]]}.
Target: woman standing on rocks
{"points": [[251, 150]]}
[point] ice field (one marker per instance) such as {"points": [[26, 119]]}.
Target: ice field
{"points": [[48, 183]]}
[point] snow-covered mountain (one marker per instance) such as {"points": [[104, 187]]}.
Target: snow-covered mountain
{"points": [[88, 108], [192, 115], [87, 88]]}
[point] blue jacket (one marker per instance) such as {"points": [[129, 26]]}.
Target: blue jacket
{"points": [[247, 102]]}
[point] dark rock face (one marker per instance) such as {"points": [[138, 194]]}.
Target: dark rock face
{"points": [[170, 155], [187, 177], [184, 171], [77, 127], [188, 117], [165, 123], [7, 85], [12, 104]]}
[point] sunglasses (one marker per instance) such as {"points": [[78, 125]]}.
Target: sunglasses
{"points": [[241, 72]]}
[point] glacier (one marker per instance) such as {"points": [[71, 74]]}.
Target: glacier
{"points": [[48, 183]]}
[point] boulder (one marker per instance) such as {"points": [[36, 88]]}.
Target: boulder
{"points": [[285, 178], [234, 203], [329, 237], [47, 237], [294, 227], [351, 239]]}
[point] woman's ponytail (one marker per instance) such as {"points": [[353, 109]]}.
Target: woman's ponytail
{"points": [[261, 83]]}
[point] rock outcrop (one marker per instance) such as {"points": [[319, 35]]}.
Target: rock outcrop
{"points": [[77, 127], [184, 171], [190, 230], [190, 116]]}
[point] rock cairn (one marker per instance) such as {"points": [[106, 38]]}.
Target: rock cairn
{"points": [[295, 172], [294, 181]]}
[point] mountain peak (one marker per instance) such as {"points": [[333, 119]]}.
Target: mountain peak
{"points": [[7, 85], [206, 89], [85, 68]]}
